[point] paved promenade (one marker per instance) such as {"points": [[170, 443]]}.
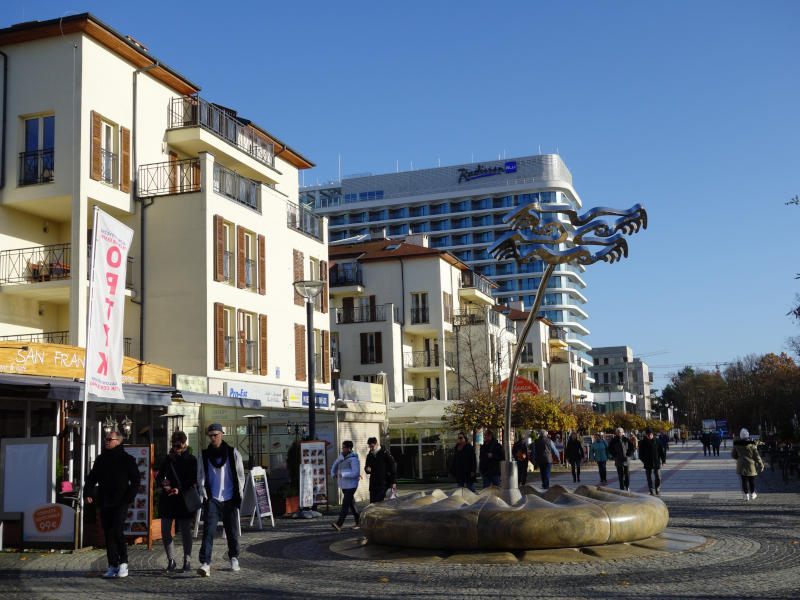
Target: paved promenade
{"points": [[753, 551]]}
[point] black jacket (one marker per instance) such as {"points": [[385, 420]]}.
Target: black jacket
{"points": [[574, 450], [381, 471], [185, 466], [491, 466], [620, 449], [116, 473], [543, 450], [652, 453], [464, 464]]}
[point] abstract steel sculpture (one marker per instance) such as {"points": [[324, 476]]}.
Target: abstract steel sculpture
{"points": [[537, 231]]}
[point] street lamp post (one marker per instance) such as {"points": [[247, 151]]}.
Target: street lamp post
{"points": [[309, 289], [537, 231]]}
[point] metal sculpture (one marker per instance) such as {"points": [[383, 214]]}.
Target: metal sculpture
{"points": [[537, 231]]}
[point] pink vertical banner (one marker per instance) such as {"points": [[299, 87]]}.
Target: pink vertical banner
{"points": [[104, 334]]}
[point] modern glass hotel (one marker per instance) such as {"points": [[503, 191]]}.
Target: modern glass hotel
{"points": [[461, 208]]}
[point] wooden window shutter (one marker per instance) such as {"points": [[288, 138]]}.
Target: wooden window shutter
{"points": [[299, 352], [219, 249], [347, 310], [125, 158], [372, 310], [173, 172], [242, 342], [323, 274], [240, 254], [364, 349], [219, 336], [298, 275], [326, 356], [97, 144], [378, 347], [262, 344], [262, 265]]}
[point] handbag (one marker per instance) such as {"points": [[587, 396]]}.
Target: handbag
{"points": [[191, 497]]}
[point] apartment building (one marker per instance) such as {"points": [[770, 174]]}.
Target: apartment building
{"points": [[219, 235], [418, 317], [621, 378]]}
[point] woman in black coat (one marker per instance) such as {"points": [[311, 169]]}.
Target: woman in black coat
{"points": [[575, 454], [177, 473], [652, 455], [464, 464]]}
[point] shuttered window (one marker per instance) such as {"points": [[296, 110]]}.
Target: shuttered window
{"points": [[299, 352], [219, 336], [96, 163], [326, 356], [262, 265], [219, 249], [240, 257], [323, 273], [125, 159], [298, 275], [262, 344]]}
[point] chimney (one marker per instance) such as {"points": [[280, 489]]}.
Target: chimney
{"points": [[418, 239]]}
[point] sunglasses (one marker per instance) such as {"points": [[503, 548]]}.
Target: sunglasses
{"points": [[110, 439]]}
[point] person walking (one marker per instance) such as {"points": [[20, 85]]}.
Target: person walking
{"points": [[381, 470], [521, 454], [598, 452], [621, 449], [464, 465], [176, 474], [346, 470], [575, 455], [635, 443], [748, 460], [220, 481], [716, 442], [544, 451], [684, 437], [116, 474], [663, 437], [705, 439], [491, 456], [652, 455]]}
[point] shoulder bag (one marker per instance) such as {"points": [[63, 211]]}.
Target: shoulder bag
{"points": [[191, 498]]}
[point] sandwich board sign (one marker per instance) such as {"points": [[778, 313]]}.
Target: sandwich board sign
{"points": [[256, 502]]}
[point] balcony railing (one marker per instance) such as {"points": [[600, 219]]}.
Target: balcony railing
{"points": [[470, 279], [108, 166], [427, 358], [468, 317], [251, 354], [367, 314], [339, 277], [170, 177], [230, 184], [192, 111], [54, 337], [40, 263], [227, 265], [420, 315], [36, 166], [303, 220], [229, 344], [336, 361], [421, 394], [250, 277], [318, 374], [558, 334]]}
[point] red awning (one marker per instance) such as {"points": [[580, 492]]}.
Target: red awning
{"points": [[522, 386]]}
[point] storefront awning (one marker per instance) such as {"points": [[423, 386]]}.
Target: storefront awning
{"points": [[220, 400], [57, 388]]}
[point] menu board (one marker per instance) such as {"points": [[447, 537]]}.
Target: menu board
{"points": [[139, 515], [256, 502], [313, 453]]}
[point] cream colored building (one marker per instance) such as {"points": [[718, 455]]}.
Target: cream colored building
{"points": [[92, 119]]}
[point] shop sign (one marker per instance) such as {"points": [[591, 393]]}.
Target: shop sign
{"points": [[321, 400], [359, 391], [49, 524], [268, 395], [483, 171], [191, 383]]}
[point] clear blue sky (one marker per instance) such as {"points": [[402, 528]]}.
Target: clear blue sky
{"points": [[690, 108]]}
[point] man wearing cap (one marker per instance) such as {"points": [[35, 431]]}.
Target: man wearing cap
{"points": [[652, 455], [220, 479]]}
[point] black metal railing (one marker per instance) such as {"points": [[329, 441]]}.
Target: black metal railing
{"points": [[108, 166], [302, 219], [421, 394], [230, 184], [427, 358], [251, 354], [227, 265], [342, 275], [468, 316], [558, 334], [170, 177], [128, 271], [229, 344], [36, 166], [192, 111], [45, 337], [420, 315], [39, 263], [250, 277], [470, 279], [128, 343], [367, 314]]}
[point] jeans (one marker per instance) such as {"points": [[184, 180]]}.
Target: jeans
{"points": [[348, 505], [576, 470], [112, 518], [185, 528], [470, 485], [601, 467], [650, 479], [213, 511], [624, 477], [544, 471], [491, 480]]}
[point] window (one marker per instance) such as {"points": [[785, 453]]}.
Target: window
{"points": [[108, 158], [315, 274], [251, 342], [419, 307], [526, 356], [620, 377], [596, 361], [605, 361], [229, 338], [319, 371], [605, 378], [250, 273], [371, 351], [36, 160]]}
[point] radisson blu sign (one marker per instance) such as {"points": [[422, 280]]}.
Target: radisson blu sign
{"points": [[482, 171]]}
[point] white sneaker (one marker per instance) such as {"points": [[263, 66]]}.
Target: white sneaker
{"points": [[753, 496], [235, 564], [112, 572], [204, 570], [747, 496], [123, 570]]}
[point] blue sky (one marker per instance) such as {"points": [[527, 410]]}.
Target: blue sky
{"points": [[690, 108]]}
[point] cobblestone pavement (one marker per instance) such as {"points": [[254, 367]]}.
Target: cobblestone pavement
{"points": [[753, 552]]}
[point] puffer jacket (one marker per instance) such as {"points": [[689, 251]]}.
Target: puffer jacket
{"points": [[747, 457], [598, 451], [349, 467]]}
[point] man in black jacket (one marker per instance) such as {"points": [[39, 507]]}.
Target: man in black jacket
{"points": [[652, 455], [381, 470], [621, 449], [116, 473], [491, 456]]}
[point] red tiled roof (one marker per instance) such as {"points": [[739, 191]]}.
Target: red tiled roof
{"points": [[388, 249]]}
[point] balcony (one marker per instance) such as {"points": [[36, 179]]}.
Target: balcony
{"points": [[368, 314], [427, 359], [47, 267], [108, 167], [240, 189], [345, 279], [303, 220], [475, 288], [189, 118], [421, 394], [468, 316], [557, 338], [54, 337], [36, 166], [170, 177]]}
